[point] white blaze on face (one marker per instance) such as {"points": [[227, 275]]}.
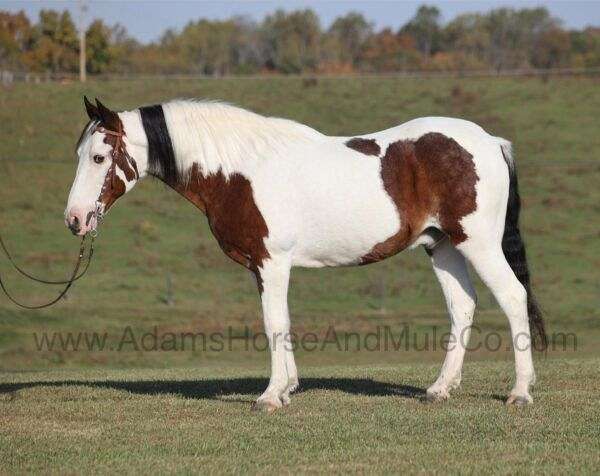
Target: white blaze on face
{"points": [[79, 214]]}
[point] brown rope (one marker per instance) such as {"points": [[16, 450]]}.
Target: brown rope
{"points": [[40, 280], [74, 276]]}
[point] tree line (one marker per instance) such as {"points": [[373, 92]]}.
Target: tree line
{"points": [[295, 42]]}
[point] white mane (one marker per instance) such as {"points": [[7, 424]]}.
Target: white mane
{"points": [[220, 136]]}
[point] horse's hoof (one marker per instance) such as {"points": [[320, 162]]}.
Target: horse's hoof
{"points": [[519, 400], [292, 387], [265, 406], [437, 396]]}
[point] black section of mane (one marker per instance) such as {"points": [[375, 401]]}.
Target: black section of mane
{"points": [[161, 156], [514, 251]]}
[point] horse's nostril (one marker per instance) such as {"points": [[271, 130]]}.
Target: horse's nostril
{"points": [[74, 225]]}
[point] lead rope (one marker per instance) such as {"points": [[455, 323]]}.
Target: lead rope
{"points": [[69, 283], [39, 280], [99, 211]]}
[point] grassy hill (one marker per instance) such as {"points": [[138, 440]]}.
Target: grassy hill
{"points": [[154, 246]]}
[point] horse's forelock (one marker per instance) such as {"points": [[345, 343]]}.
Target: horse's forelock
{"points": [[89, 127]]}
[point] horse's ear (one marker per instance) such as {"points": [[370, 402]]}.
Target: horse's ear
{"points": [[110, 119], [92, 111]]}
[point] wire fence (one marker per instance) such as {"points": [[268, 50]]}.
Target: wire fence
{"points": [[8, 77]]}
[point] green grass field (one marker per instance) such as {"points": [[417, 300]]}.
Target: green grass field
{"points": [[188, 409], [346, 419]]}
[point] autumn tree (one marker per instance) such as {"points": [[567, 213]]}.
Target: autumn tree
{"points": [[123, 51], [585, 48], [424, 27], [218, 47], [97, 42], [346, 39], [387, 51], [55, 43], [467, 38], [16, 36], [291, 41], [551, 49]]}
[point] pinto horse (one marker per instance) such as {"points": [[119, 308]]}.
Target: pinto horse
{"points": [[279, 194]]}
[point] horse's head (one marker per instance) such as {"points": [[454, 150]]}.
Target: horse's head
{"points": [[110, 164]]}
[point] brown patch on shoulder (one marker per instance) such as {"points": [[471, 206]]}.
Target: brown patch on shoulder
{"points": [[432, 176], [233, 216], [365, 146]]}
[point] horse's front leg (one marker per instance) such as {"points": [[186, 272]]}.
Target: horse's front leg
{"points": [[273, 278]]}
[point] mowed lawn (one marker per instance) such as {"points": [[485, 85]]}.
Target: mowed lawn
{"points": [[158, 271], [344, 419]]}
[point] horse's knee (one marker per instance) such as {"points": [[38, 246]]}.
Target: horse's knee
{"points": [[463, 310]]}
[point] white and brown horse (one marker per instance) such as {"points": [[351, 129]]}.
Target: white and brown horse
{"points": [[279, 194]]}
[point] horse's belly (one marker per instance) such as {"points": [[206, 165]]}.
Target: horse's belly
{"points": [[326, 206], [344, 216]]}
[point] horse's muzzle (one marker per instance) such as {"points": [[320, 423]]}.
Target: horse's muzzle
{"points": [[74, 225], [80, 221]]}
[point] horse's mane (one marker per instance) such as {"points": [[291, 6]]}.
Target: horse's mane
{"points": [[219, 136], [214, 135]]}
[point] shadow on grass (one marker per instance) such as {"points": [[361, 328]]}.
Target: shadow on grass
{"points": [[220, 389]]}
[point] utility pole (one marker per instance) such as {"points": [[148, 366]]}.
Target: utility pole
{"points": [[82, 59]]}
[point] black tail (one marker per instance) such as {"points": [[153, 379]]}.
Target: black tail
{"points": [[514, 251]]}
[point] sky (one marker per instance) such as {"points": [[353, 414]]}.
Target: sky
{"points": [[146, 20]]}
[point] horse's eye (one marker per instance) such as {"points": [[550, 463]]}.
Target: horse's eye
{"points": [[98, 159]]}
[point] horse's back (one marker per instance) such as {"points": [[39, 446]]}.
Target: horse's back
{"points": [[466, 133]]}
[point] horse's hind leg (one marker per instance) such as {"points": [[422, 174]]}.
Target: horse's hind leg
{"points": [[488, 259], [451, 270]]}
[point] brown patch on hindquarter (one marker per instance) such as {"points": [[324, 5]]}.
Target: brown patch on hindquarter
{"points": [[365, 146], [233, 217], [430, 177]]}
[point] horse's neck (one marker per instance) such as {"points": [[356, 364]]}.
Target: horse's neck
{"points": [[192, 189], [212, 193], [218, 137], [217, 147]]}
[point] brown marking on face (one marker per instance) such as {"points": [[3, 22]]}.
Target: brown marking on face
{"points": [[127, 165], [430, 177], [114, 187], [365, 146], [233, 217]]}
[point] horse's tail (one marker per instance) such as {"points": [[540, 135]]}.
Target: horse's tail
{"points": [[514, 250]]}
